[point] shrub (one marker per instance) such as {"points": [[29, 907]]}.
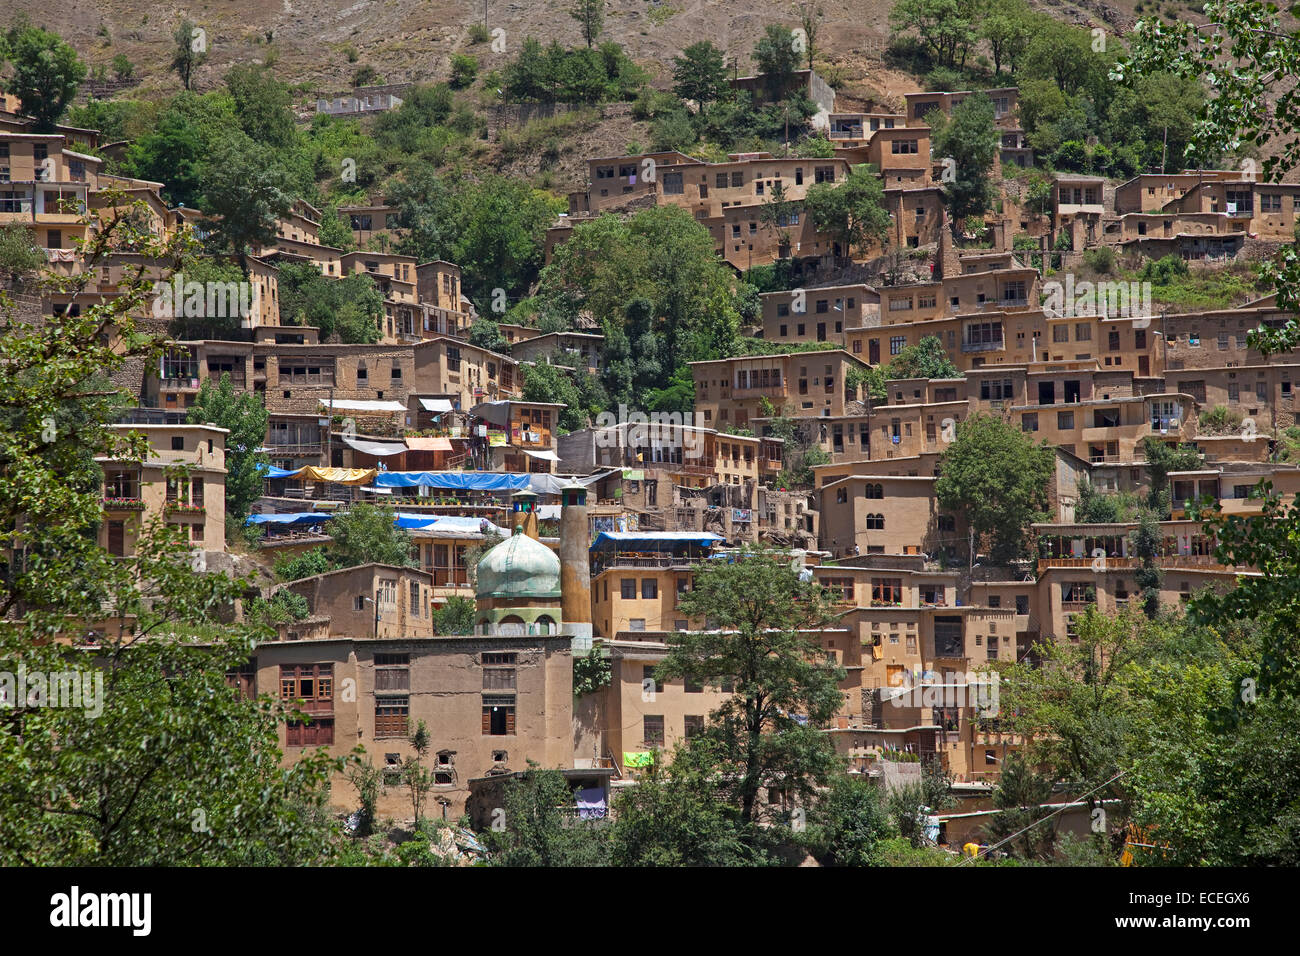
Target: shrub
{"points": [[1100, 259], [464, 69], [1164, 271]]}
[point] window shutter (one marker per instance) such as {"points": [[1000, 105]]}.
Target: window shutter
{"points": [[487, 720], [510, 721]]}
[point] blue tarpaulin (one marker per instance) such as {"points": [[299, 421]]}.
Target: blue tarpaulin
{"points": [[457, 480], [299, 517], [652, 540], [273, 472]]}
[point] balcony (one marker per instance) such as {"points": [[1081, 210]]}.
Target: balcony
{"points": [[123, 504], [996, 345]]}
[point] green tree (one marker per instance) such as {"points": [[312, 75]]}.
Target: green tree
{"points": [[1161, 459], [418, 778], [351, 307], [45, 76], [455, 616], [662, 255], [776, 57], [946, 28], [538, 832], [1076, 707], [20, 258], [926, 359], [1147, 539], [246, 418], [464, 70], [849, 823], [366, 534], [969, 138], [246, 193], [263, 106], [1019, 797], [810, 21], [853, 212], [190, 51], [123, 68], [590, 15], [674, 816], [486, 334], [759, 614], [911, 803], [1008, 27], [995, 477], [700, 73], [165, 766]]}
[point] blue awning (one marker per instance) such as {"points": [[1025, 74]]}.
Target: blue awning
{"points": [[272, 472], [456, 480], [653, 540]]}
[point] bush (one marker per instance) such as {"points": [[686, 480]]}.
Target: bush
{"points": [[1164, 271], [366, 76], [1100, 259], [464, 69], [1220, 420], [1071, 155], [673, 131], [478, 32]]}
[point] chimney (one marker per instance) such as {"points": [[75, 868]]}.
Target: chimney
{"points": [[575, 565]]}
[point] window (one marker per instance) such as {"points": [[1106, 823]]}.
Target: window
{"points": [[900, 146], [392, 716], [897, 343], [1270, 202], [392, 672], [887, 590], [694, 725], [874, 491], [875, 522], [649, 683], [1082, 332], [673, 184], [628, 588], [1064, 420], [649, 588], [1061, 333], [498, 716], [652, 730], [1029, 422], [313, 684], [499, 678], [996, 390]]}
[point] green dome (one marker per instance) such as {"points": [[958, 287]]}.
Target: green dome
{"points": [[519, 567]]}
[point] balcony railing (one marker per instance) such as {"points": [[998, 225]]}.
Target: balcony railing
{"points": [[993, 346]]}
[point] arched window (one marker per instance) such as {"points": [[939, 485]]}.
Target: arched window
{"points": [[875, 522], [874, 491]]}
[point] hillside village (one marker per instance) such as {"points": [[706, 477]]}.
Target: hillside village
{"points": [[975, 397]]}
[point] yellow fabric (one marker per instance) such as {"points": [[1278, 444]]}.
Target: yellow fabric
{"points": [[341, 476]]}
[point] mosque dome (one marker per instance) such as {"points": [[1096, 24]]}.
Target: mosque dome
{"points": [[519, 567]]}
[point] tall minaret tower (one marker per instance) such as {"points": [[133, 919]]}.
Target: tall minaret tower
{"points": [[575, 564], [523, 506]]}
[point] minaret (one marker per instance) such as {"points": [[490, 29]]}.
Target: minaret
{"points": [[523, 504], [575, 565]]}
